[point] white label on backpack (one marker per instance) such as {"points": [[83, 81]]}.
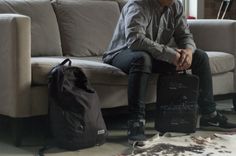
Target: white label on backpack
{"points": [[102, 131]]}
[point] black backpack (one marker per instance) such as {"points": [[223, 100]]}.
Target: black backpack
{"points": [[75, 116]]}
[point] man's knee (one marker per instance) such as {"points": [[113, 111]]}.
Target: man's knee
{"points": [[201, 56], [142, 62]]}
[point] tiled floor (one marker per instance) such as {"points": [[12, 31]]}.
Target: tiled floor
{"points": [[116, 142]]}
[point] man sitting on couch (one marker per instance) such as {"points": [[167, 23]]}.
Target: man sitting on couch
{"points": [[139, 48]]}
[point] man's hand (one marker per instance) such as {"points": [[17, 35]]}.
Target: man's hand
{"points": [[185, 60], [177, 57]]}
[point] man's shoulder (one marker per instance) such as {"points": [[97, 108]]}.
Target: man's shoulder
{"points": [[177, 6], [137, 4], [138, 1]]}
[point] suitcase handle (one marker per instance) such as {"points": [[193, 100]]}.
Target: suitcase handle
{"points": [[182, 72]]}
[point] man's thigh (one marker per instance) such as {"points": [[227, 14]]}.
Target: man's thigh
{"points": [[128, 60], [159, 66], [125, 59]]}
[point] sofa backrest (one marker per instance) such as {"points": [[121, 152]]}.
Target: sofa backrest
{"points": [[86, 26], [45, 36], [121, 3]]}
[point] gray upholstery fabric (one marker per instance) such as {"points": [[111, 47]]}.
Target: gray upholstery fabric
{"points": [[214, 35], [44, 28], [221, 62], [109, 82], [95, 70], [110, 96], [86, 26], [102, 73], [120, 2], [223, 83], [39, 100], [15, 67]]}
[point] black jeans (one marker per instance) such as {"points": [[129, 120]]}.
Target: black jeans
{"points": [[139, 65]]}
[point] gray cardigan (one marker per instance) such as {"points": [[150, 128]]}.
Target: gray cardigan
{"points": [[146, 26]]}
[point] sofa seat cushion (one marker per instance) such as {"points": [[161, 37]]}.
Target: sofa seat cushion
{"points": [[44, 29], [101, 73], [221, 62], [86, 27], [96, 71]]}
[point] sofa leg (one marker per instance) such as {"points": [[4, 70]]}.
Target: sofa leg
{"points": [[234, 101], [17, 125]]}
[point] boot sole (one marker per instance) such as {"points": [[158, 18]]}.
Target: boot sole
{"points": [[212, 128], [136, 143]]}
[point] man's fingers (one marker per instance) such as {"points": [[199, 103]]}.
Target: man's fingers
{"points": [[186, 63], [182, 59], [185, 59], [186, 66], [179, 50], [178, 68]]}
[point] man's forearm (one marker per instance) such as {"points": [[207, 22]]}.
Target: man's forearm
{"points": [[156, 50]]}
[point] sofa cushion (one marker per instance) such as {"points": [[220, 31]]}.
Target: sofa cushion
{"points": [[96, 71], [93, 67], [221, 62], [86, 26], [101, 73], [44, 28], [120, 2]]}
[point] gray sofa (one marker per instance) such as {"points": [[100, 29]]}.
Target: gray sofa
{"points": [[37, 35]]}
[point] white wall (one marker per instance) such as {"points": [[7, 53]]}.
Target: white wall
{"points": [[195, 8]]}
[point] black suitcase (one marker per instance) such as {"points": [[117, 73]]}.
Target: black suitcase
{"points": [[176, 106]]}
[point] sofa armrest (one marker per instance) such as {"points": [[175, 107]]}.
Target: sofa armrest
{"points": [[15, 66], [214, 35]]}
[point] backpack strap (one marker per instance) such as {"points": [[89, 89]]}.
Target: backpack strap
{"points": [[65, 61], [46, 147]]}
